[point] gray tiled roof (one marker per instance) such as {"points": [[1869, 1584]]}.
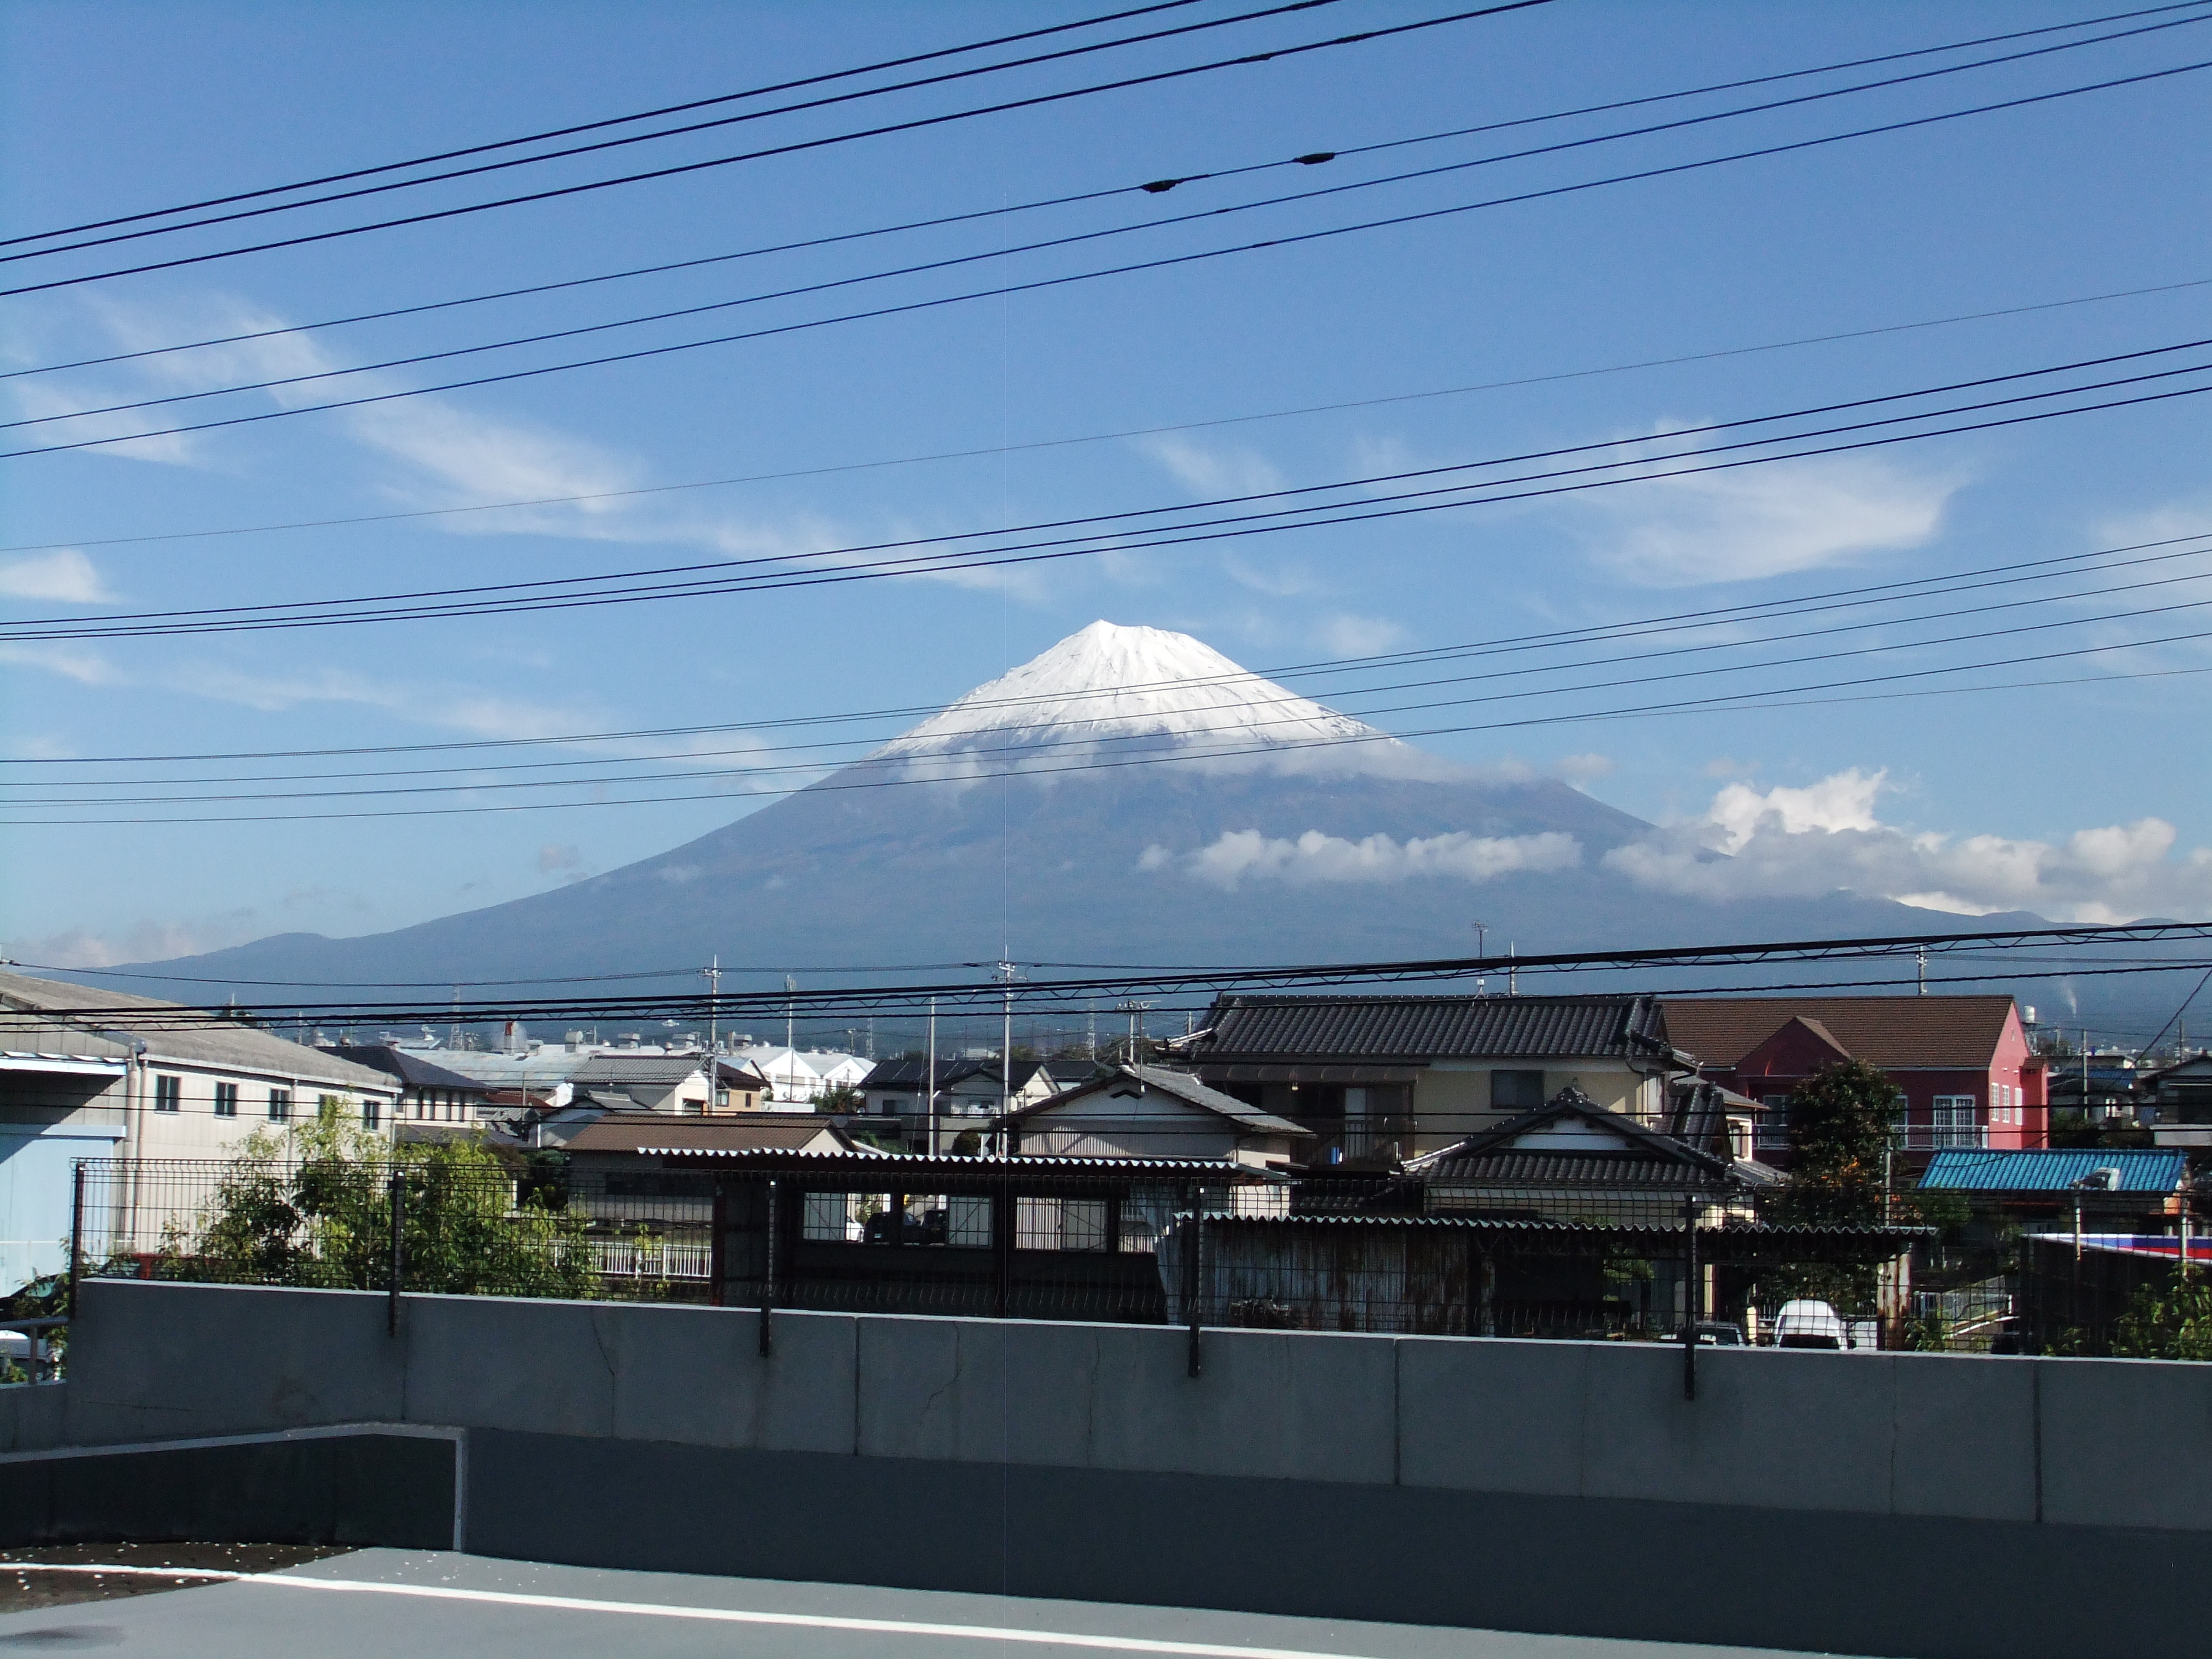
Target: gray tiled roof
{"points": [[619, 1069], [408, 1067], [1246, 1028], [1183, 1087], [172, 1033]]}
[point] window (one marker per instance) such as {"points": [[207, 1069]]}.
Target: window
{"points": [[1954, 1121], [968, 1222], [168, 1093], [225, 1100], [280, 1105], [372, 1114], [1516, 1092]]}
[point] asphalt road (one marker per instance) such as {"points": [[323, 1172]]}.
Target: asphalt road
{"points": [[374, 1604]]}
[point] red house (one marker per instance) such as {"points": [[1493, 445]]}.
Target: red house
{"points": [[1961, 1063]]}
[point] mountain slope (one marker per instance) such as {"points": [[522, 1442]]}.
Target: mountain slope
{"points": [[1129, 796]]}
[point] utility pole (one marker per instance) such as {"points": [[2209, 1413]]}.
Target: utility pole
{"points": [[790, 986], [714, 972], [929, 1079], [1512, 972], [1136, 1013], [1006, 974], [1921, 956], [1481, 950]]}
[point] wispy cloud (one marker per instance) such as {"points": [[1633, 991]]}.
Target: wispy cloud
{"points": [[1242, 855], [66, 577], [1761, 521], [1220, 470], [1828, 837], [1349, 635]]}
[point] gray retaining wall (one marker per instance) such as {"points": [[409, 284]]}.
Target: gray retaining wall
{"points": [[1900, 1503]]}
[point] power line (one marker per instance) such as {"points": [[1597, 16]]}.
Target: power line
{"points": [[950, 261], [775, 572], [1716, 355], [1000, 291], [794, 148], [2008, 573], [600, 126], [1056, 992], [1097, 743], [1157, 185]]}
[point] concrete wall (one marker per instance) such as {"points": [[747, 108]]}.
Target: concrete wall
{"points": [[1921, 1504]]}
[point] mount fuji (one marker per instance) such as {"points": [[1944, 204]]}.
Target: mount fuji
{"points": [[1130, 796]]}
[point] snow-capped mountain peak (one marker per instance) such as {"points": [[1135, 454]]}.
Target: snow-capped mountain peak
{"points": [[1133, 689]]}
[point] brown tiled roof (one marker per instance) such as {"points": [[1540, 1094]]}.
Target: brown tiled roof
{"points": [[1324, 1027], [1895, 1033], [630, 1132]]}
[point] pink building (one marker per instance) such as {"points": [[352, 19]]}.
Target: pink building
{"points": [[1961, 1063]]}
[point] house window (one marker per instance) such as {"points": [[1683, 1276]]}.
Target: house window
{"points": [[372, 1113], [1954, 1121], [225, 1100], [280, 1105], [168, 1093], [1516, 1092]]}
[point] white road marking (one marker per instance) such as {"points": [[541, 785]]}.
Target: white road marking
{"points": [[1052, 1638], [143, 1572]]}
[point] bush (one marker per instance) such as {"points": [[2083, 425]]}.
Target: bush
{"points": [[2177, 1325], [314, 1210]]}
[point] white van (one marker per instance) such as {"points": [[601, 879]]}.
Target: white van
{"points": [[1808, 1325]]}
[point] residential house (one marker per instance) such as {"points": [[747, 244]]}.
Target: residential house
{"points": [[95, 1073], [1379, 1078], [428, 1092], [1148, 1111], [1962, 1063], [642, 1083], [967, 1088], [2179, 1100]]}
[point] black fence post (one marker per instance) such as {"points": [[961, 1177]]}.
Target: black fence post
{"points": [[76, 1233], [768, 1274], [1193, 1247], [398, 1267], [1005, 1216], [1690, 1298]]}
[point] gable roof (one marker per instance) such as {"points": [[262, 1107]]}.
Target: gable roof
{"points": [[1973, 1170], [411, 1068], [1178, 1086], [905, 1072], [618, 1069], [1246, 1028], [1540, 1145], [1940, 1033], [169, 1030]]}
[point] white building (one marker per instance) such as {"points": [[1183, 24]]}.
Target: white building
{"points": [[798, 1075], [139, 1078]]}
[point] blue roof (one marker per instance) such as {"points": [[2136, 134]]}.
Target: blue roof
{"points": [[1974, 1172]]}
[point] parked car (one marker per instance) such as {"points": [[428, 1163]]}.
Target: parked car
{"points": [[1719, 1334], [1808, 1325]]}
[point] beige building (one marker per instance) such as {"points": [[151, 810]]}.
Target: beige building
{"points": [[92, 1073], [1384, 1077]]}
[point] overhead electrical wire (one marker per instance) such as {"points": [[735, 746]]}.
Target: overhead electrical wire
{"points": [[771, 572], [2010, 573], [1003, 252], [1032, 992], [645, 353], [628, 139], [606, 122], [1154, 186], [1093, 742], [796, 147]]}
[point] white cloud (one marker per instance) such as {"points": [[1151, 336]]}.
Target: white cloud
{"points": [[1761, 521], [1827, 837], [66, 576], [1349, 635], [1227, 471], [1579, 769], [71, 662], [1242, 854]]}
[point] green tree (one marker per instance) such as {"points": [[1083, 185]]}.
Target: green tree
{"points": [[1843, 1122], [842, 1098], [312, 1206], [2174, 1325]]}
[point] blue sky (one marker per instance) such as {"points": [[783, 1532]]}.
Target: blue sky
{"points": [[1984, 800]]}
